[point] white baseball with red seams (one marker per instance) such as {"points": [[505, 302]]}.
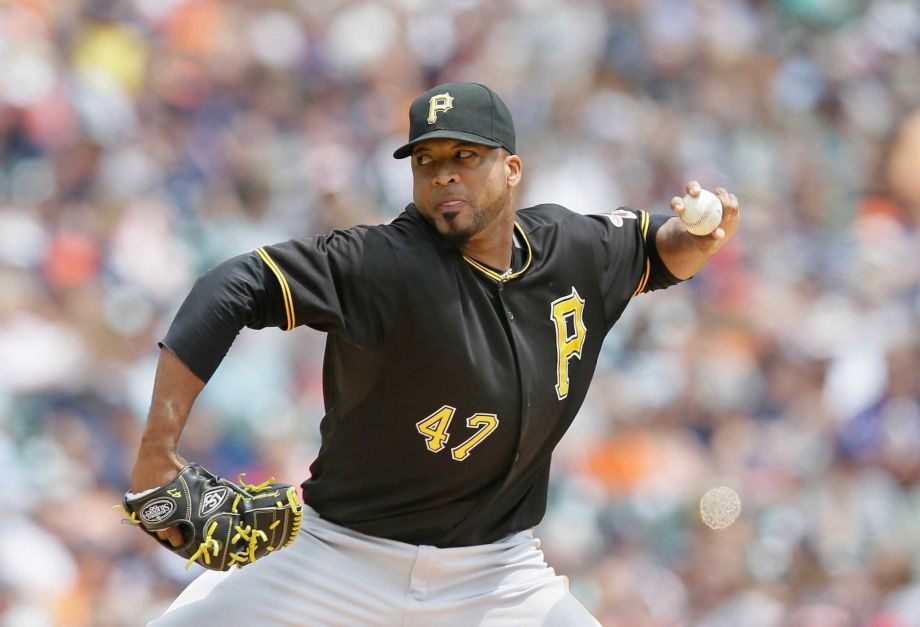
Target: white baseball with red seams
{"points": [[702, 214]]}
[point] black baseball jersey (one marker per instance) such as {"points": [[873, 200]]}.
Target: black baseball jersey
{"points": [[447, 383]]}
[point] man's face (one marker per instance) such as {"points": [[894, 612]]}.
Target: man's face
{"points": [[461, 188]]}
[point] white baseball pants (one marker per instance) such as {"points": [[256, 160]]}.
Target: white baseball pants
{"points": [[331, 575]]}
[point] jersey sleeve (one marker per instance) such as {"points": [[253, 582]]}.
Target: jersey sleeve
{"points": [[342, 282], [627, 256], [337, 283]]}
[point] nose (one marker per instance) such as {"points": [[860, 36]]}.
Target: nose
{"points": [[445, 175]]}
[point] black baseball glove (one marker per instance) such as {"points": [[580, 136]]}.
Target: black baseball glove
{"points": [[223, 523]]}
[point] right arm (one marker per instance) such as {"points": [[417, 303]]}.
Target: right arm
{"points": [[243, 291], [335, 283], [222, 301], [174, 390]]}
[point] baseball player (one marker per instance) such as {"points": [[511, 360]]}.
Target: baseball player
{"points": [[461, 340]]}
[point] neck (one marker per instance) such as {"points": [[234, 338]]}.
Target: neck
{"points": [[492, 245]]}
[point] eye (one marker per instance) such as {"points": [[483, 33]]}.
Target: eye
{"points": [[464, 154], [423, 159]]}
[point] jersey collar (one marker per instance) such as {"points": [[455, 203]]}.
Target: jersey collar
{"points": [[500, 277], [504, 277]]}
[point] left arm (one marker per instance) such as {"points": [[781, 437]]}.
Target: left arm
{"points": [[685, 254]]}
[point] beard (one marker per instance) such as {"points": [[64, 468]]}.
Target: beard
{"points": [[482, 217]]}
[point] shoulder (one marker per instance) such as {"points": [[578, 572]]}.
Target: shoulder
{"points": [[407, 230], [406, 246], [544, 215], [561, 222], [557, 215]]}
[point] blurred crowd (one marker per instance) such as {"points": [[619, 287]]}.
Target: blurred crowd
{"points": [[144, 141]]}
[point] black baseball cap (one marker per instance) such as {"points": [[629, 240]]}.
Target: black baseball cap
{"points": [[467, 111]]}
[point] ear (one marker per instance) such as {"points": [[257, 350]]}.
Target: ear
{"points": [[513, 169]]}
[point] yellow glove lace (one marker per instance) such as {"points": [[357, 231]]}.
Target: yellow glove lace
{"points": [[208, 544], [254, 488], [252, 537], [297, 510], [131, 516]]}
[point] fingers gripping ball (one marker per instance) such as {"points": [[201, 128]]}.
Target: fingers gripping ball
{"points": [[703, 213], [223, 524]]}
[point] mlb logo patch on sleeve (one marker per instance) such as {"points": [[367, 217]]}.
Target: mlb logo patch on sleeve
{"points": [[618, 215]]}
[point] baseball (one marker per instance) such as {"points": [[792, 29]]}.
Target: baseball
{"points": [[720, 507], [702, 214]]}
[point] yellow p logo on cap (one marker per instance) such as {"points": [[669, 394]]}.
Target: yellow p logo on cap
{"points": [[439, 103]]}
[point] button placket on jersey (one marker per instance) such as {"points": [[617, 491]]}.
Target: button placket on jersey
{"points": [[525, 406]]}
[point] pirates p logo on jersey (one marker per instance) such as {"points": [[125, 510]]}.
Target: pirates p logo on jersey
{"points": [[439, 103], [567, 314]]}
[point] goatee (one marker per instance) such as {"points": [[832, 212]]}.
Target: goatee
{"points": [[481, 219]]}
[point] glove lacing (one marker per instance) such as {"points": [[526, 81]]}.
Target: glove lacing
{"points": [[247, 533], [208, 544]]}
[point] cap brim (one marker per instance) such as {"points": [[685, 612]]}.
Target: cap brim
{"points": [[405, 150]]}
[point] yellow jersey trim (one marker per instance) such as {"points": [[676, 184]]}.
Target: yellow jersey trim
{"points": [[285, 288], [644, 221], [506, 276]]}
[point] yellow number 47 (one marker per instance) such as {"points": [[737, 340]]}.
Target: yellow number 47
{"points": [[434, 429]]}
